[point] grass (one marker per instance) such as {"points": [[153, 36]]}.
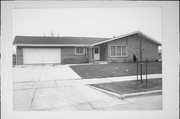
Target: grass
{"points": [[114, 70], [127, 87]]}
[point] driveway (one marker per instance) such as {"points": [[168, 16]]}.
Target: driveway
{"points": [[28, 73], [54, 88], [78, 98], [63, 98]]}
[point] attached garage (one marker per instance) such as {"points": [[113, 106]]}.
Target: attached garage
{"points": [[41, 55]]}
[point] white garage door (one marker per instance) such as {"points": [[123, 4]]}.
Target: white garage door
{"points": [[41, 55]]}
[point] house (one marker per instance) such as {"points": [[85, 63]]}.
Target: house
{"points": [[64, 50], [160, 55]]}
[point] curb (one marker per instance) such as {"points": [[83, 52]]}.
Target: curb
{"points": [[142, 93], [123, 96], [107, 92], [126, 78]]}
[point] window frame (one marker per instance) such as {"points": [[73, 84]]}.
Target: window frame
{"points": [[116, 50], [79, 53], [125, 50]]}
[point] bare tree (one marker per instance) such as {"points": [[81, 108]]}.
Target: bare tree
{"points": [[44, 34], [52, 34], [57, 34]]}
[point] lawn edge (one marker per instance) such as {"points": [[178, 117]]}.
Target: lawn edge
{"points": [[123, 96], [142, 93]]}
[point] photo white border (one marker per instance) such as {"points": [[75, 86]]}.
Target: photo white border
{"points": [[170, 58]]}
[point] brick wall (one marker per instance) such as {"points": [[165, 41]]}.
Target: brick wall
{"points": [[149, 49], [68, 56]]}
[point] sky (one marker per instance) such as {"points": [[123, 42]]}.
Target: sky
{"points": [[87, 22]]}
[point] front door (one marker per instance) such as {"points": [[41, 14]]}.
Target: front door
{"points": [[97, 53]]}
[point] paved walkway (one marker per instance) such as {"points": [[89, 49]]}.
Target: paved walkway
{"points": [[63, 98], [76, 82], [69, 95]]}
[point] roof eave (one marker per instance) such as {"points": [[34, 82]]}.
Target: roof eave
{"points": [[139, 32], [150, 38], [115, 38], [52, 45]]}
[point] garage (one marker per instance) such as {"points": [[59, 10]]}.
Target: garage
{"points": [[41, 55]]}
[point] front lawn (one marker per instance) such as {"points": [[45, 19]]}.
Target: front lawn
{"points": [[114, 70], [127, 87]]}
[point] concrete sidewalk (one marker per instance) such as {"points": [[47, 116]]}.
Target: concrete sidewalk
{"points": [[76, 95], [79, 98], [73, 82]]}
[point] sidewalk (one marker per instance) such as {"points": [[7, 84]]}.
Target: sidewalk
{"points": [[76, 82], [76, 94]]}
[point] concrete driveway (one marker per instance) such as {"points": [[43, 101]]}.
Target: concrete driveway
{"points": [[65, 98], [78, 98], [55, 88], [27, 73]]}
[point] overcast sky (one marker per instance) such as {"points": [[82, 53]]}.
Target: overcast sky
{"points": [[92, 22]]}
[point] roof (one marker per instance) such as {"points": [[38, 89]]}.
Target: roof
{"points": [[57, 40], [72, 41], [129, 34]]}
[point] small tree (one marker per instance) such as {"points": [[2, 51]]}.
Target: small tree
{"points": [[140, 56], [139, 53]]}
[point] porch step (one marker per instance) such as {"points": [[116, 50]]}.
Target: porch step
{"points": [[101, 62]]}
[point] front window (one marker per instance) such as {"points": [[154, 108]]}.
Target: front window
{"points": [[123, 50], [113, 53], [79, 50], [118, 51]]}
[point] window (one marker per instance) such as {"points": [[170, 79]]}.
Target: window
{"points": [[79, 50], [113, 53], [96, 51], [123, 50], [118, 51]]}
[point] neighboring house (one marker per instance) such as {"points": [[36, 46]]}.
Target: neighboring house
{"points": [[14, 59], [37, 50], [160, 55]]}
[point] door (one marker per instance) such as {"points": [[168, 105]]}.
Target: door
{"points": [[41, 55], [97, 53]]}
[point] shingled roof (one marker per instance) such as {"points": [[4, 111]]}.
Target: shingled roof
{"points": [[91, 41], [57, 40]]}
